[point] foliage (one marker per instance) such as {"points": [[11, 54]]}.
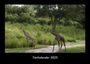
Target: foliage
{"points": [[14, 37], [28, 14], [64, 11]]}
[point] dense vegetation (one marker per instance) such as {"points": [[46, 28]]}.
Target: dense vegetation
{"points": [[35, 19]]}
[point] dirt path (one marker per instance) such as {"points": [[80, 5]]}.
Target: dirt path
{"points": [[49, 48]]}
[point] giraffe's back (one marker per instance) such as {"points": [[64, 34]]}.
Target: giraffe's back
{"points": [[60, 37]]}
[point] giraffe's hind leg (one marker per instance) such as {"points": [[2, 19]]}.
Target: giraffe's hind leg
{"points": [[27, 42], [64, 44], [61, 44]]}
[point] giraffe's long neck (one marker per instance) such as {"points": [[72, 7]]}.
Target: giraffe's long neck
{"points": [[27, 35], [55, 33], [24, 31]]}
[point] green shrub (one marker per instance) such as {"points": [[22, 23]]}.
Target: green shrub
{"points": [[14, 37]]}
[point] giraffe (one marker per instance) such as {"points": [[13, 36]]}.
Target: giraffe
{"points": [[60, 39], [28, 37]]}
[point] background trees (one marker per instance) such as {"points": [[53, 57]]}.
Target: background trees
{"points": [[66, 14]]}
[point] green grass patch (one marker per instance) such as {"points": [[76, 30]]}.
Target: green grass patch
{"points": [[80, 49], [14, 37]]}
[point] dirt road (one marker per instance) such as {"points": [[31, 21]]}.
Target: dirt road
{"points": [[49, 48]]}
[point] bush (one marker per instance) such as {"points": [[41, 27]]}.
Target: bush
{"points": [[15, 37], [11, 17]]}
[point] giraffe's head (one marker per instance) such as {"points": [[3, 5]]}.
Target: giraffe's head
{"points": [[52, 31]]}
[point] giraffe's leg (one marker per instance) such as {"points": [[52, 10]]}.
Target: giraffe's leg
{"points": [[64, 44], [53, 46], [33, 42], [26, 39], [59, 46], [27, 42]]}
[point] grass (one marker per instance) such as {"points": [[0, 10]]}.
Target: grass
{"points": [[71, 32], [14, 37], [80, 49], [22, 50]]}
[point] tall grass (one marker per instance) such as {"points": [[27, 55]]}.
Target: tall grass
{"points": [[14, 37], [72, 33]]}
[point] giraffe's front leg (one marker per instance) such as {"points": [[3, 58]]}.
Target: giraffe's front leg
{"points": [[53, 45], [27, 42], [59, 45]]}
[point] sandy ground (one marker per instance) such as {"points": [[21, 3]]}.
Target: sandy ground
{"points": [[49, 48]]}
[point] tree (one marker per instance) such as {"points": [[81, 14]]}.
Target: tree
{"points": [[19, 14], [70, 13]]}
